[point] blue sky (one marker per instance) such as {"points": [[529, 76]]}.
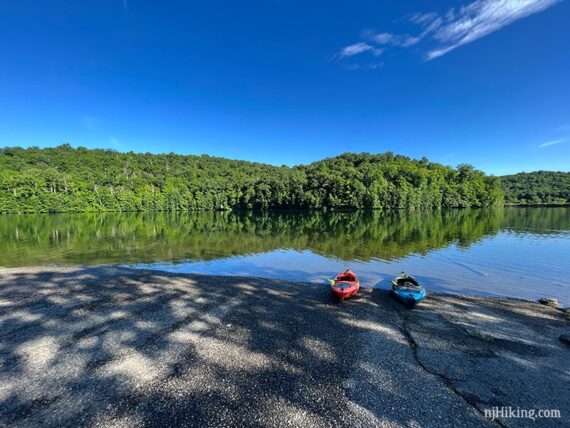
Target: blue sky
{"points": [[485, 82]]}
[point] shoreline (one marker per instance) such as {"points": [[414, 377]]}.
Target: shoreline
{"points": [[164, 272], [294, 209], [109, 345], [442, 294]]}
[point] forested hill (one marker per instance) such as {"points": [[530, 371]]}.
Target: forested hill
{"points": [[64, 179], [536, 188]]}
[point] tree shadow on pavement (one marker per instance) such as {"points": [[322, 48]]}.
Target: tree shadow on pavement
{"points": [[109, 346]]}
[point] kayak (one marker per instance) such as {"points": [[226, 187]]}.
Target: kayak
{"points": [[345, 284], [408, 289]]}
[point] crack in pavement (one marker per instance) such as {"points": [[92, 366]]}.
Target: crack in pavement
{"points": [[446, 380]]}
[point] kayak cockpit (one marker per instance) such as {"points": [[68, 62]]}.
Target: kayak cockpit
{"points": [[345, 284], [346, 276], [408, 289]]}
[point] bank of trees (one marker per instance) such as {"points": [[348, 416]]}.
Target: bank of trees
{"points": [[537, 188], [64, 179]]}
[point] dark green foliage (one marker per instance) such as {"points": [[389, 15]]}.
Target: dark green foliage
{"points": [[536, 188], [392, 181], [148, 237], [64, 179]]}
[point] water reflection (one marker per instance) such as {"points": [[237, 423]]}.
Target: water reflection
{"points": [[96, 238], [513, 252], [538, 221]]}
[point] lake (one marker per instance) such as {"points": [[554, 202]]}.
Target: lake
{"points": [[515, 252]]}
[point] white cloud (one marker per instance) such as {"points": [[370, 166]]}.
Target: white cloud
{"points": [[481, 18], [436, 53], [453, 28], [391, 39], [382, 38], [422, 18], [552, 143], [358, 48], [355, 66]]}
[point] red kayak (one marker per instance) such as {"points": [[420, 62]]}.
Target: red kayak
{"points": [[345, 284]]}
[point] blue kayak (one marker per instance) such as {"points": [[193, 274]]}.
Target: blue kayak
{"points": [[408, 289]]}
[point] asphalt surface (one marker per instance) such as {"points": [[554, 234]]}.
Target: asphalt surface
{"points": [[109, 346]]}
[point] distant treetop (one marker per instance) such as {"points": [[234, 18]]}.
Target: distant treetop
{"points": [[64, 179], [537, 188]]}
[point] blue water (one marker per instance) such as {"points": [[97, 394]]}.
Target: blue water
{"points": [[509, 264], [515, 252]]}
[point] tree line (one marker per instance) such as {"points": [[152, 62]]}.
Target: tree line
{"points": [[537, 188], [65, 179]]}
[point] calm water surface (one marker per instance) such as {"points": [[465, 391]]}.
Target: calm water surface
{"points": [[517, 252]]}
